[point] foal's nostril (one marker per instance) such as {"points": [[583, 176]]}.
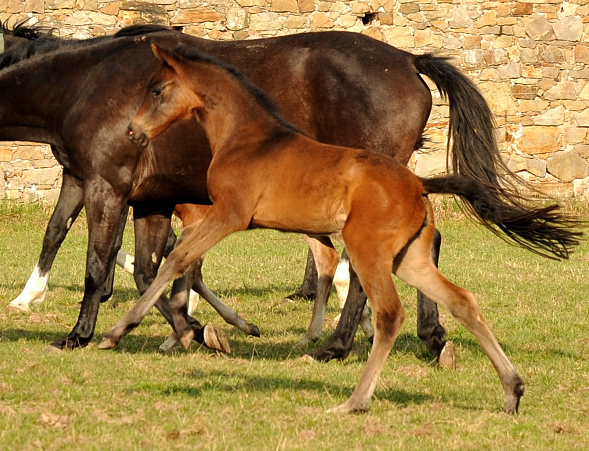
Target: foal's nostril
{"points": [[130, 132]]}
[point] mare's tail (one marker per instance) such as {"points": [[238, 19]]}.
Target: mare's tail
{"points": [[542, 230], [472, 146]]}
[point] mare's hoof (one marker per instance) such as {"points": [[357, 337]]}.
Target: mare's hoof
{"points": [[330, 352], [301, 295], [18, 308], [107, 343], [215, 338], [447, 357]]}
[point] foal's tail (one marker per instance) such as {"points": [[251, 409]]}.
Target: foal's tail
{"points": [[542, 230]]}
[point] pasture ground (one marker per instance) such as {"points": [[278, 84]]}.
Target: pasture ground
{"points": [[264, 396]]}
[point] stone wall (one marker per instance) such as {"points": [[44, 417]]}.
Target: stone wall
{"points": [[529, 58]]}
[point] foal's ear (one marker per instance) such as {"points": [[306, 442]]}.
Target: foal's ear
{"points": [[168, 57]]}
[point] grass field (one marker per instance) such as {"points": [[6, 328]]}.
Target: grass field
{"points": [[264, 396]]}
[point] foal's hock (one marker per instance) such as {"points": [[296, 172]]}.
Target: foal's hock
{"points": [[259, 177]]}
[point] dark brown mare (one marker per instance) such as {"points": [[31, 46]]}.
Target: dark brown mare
{"points": [[265, 173], [341, 88]]}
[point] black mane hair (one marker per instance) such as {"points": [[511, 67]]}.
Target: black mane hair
{"points": [[41, 40], [261, 97]]}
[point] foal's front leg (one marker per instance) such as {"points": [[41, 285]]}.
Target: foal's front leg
{"points": [[195, 240]]}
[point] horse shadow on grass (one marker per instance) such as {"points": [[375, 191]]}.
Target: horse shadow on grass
{"points": [[213, 381]]}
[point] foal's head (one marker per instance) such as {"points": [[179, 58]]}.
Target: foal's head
{"points": [[169, 98]]}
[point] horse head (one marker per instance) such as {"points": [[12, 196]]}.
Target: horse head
{"points": [[167, 99]]}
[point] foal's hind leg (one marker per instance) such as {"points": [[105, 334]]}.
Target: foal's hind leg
{"points": [[326, 258], [416, 268], [373, 269]]}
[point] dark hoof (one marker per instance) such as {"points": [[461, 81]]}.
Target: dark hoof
{"points": [[301, 295], [512, 400], [254, 330], [326, 354], [69, 343]]}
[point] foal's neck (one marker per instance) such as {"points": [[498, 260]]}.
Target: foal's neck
{"points": [[234, 115]]}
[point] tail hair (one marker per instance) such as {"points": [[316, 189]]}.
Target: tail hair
{"points": [[543, 230]]}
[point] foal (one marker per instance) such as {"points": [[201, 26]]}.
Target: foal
{"points": [[265, 173]]}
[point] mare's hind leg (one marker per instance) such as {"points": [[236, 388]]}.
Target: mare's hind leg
{"points": [[416, 268], [326, 259]]}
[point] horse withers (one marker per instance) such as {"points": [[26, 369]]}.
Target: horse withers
{"points": [[265, 173]]}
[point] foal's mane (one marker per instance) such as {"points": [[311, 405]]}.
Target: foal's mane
{"points": [[41, 40], [259, 95]]}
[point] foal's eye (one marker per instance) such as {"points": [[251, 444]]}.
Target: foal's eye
{"points": [[156, 92]]}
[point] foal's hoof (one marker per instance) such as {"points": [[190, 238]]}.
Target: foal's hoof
{"points": [[512, 400], [216, 339], [348, 407], [186, 339], [169, 344], [107, 343], [254, 330], [448, 356]]}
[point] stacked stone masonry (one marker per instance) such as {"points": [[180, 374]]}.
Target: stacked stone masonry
{"points": [[529, 58]]}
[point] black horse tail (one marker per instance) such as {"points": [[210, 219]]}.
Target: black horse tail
{"points": [[472, 146], [542, 230]]}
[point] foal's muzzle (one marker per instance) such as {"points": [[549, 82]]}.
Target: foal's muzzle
{"points": [[140, 139]]}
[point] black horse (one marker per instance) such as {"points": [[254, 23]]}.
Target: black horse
{"points": [[341, 88]]}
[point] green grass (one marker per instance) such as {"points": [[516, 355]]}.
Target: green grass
{"points": [[263, 396]]}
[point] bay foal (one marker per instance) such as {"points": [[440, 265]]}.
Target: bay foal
{"points": [[265, 173]]}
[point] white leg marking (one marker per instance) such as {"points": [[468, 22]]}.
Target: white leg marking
{"points": [[126, 261], [34, 291]]}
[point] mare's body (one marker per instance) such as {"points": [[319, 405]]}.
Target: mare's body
{"points": [[340, 88]]}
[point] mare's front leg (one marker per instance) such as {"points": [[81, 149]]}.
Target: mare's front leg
{"points": [[340, 342], [308, 289], [195, 240], [105, 211], [69, 205]]}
